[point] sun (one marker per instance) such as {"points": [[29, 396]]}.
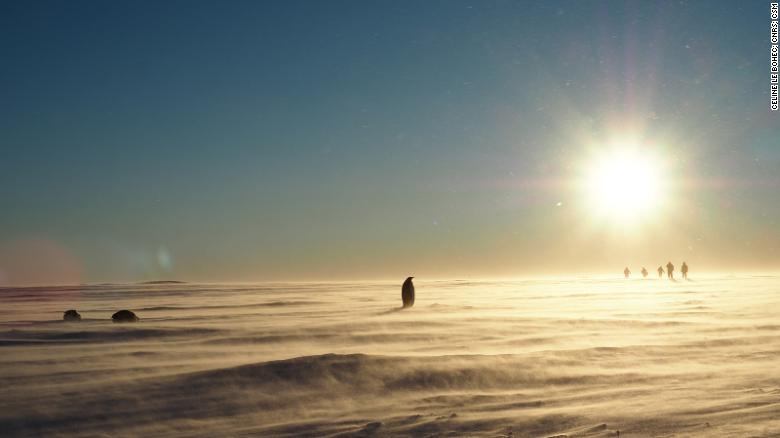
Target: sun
{"points": [[625, 185]]}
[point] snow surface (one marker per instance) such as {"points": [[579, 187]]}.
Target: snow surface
{"points": [[534, 358]]}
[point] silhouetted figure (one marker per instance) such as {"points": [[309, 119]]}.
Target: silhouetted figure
{"points": [[626, 272], [660, 271], [124, 316], [71, 315], [644, 272], [407, 292], [670, 270], [684, 270]]}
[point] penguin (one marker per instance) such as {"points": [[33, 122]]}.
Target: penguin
{"points": [[407, 292], [71, 315], [124, 316]]}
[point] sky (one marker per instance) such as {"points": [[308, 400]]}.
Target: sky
{"points": [[307, 140]]}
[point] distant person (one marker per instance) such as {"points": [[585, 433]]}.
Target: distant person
{"points": [[644, 272], [660, 271], [670, 270], [626, 272], [684, 270]]}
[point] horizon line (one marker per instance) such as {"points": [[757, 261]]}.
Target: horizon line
{"points": [[386, 279]]}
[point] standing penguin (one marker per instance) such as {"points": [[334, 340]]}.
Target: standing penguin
{"points": [[407, 292]]}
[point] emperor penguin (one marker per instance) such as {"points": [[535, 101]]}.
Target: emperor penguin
{"points": [[407, 292]]}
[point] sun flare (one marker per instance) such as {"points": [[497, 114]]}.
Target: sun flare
{"points": [[625, 185]]}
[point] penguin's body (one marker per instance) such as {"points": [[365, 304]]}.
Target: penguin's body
{"points": [[407, 292]]}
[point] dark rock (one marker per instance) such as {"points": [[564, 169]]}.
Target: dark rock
{"points": [[124, 316], [71, 315]]}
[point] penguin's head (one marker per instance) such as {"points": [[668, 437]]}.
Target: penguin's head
{"points": [[409, 278]]}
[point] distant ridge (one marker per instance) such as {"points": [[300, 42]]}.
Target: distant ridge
{"points": [[163, 282]]}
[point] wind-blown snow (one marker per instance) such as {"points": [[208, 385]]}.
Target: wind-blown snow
{"points": [[568, 358]]}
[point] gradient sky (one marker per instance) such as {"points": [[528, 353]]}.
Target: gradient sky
{"points": [[302, 140]]}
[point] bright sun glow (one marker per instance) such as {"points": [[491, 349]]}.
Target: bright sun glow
{"points": [[625, 185]]}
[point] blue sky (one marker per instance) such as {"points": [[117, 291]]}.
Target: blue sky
{"points": [[248, 141]]}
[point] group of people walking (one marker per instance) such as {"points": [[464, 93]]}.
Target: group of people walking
{"points": [[669, 271]]}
